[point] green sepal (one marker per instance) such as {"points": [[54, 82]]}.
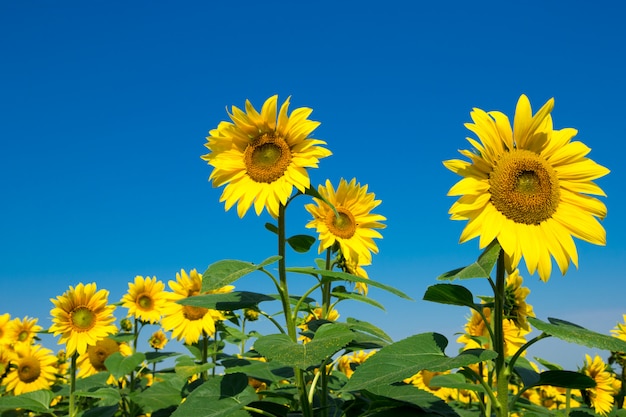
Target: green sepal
{"points": [[230, 301], [480, 269], [574, 333], [227, 271]]}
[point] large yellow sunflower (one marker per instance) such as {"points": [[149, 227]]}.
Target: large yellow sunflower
{"points": [[5, 320], [601, 396], [33, 369], [529, 187], [82, 317], [23, 330], [188, 323], [353, 227], [145, 299], [92, 361], [261, 158]]}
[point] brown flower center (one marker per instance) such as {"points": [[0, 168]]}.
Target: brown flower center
{"points": [[524, 187], [145, 302], [342, 225], [267, 158], [194, 313], [83, 319], [102, 350], [29, 369]]}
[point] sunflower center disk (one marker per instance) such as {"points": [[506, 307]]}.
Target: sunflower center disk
{"points": [[99, 353], [144, 302], [267, 158], [524, 187], [194, 313], [29, 370], [83, 318], [343, 225]]}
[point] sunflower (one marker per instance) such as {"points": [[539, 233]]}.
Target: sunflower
{"points": [[5, 319], [261, 158], [145, 299], [92, 361], [348, 363], [620, 330], [158, 340], [352, 267], [33, 369], [82, 317], [353, 225], [422, 380], [23, 330], [600, 397], [528, 187], [189, 322], [515, 306], [316, 314]]}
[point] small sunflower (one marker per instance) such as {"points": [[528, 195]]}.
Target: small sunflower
{"points": [[316, 314], [189, 322], [23, 330], [5, 339], [158, 340], [261, 158], [145, 299], [348, 363], [33, 369], [515, 306], [600, 397], [352, 267], [353, 226], [529, 187], [620, 330], [82, 317], [92, 361]]}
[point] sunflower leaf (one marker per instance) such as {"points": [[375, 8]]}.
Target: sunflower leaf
{"points": [[565, 379], [358, 297], [226, 301], [479, 269], [108, 396], [37, 401], [301, 243], [119, 365], [227, 271], [574, 333], [452, 294], [408, 394], [330, 276], [162, 394]]}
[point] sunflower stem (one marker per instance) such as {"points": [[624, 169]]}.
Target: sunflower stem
{"points": [[289, 318], [326, 289], [502, 371], [73, 410], [205, 355]]}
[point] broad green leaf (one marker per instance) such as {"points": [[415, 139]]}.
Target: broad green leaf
{"points": [[450, 294], [108, 396], [119, 365], [227, 271], [574, 333], [412, 395], [186, 367], [357, 297], [156, 357], [263, 371], [226, 301], [301, 243], [329, 339], [480, 269], [456, 381], [405, 358], [222, 396], [271, 227], [359, 326], [330, 276], [106, 411], [37, 401], [162, 394], [526, 372], [566, 379]]}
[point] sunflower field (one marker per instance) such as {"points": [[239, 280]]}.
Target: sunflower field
{"points": [[526, 191]]}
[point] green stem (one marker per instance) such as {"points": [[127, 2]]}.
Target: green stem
{"points": [[205, 355], [73, 410], [502, 372], [326, 289]]}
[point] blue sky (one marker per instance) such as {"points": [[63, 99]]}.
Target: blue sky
{"points": [[105, 106]]}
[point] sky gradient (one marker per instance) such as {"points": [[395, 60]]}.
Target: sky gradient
{"points": [[105, 106]]}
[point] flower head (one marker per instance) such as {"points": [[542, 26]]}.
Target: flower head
{"points": [[5, 338], [529, 187], [34, 369], [23, 330], [620, 330], [82, 317], [145, 299], [260, 157], [158, 340], [353, 225], [600, 397], [190, 322], [92, 361]]}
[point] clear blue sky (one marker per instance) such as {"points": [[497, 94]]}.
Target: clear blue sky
{"points": [[104, 109]]}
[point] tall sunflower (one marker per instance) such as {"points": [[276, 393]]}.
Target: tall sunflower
{"points": [[82, 317], [260, 157], [529, 187], [145, 299], [34, 369], [188, 323], [23, 330], [601, 396], [354, 225]]}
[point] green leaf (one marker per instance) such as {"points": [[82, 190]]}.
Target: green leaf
{"points": [[456, 381], [108, 396], [156, 357], [415, 396], [119, 365], [227, 271], [330, 276], [271, 227], [329, 339], [263, 371], [405, 358], [186, 367], [566, 379], [108, 411], [37, 401], [479, 269], [450, 294], [574, 333], [162, 394], [301, 243], [365, 327], [357, 297], [226, 301], [222, 396]]}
